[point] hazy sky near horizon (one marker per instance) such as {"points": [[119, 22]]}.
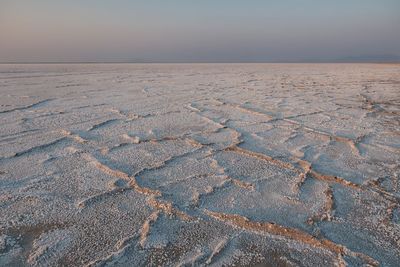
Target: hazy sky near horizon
{"points": [[202, 30]]}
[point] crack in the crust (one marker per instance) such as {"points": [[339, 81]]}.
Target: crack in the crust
{"points": [[217, 250], [124, 244], [248, 110], [171, 159], [192, 108], [234, 181], [197, 198], [375, 187], [131, 139], [129, 116], [132, 116], [93, 199], [353, 144], [237, 220], [390, 212], [144, 232], [187, 137], [168, 208], [287, 232], [38, 148], [302, 115], [307, 166], [117, 173], [121, 247], [327, 213], [307, 170], [11, 137], [102, 124], [244, 185], [369, 104], [371, 186], [207, 119], [136, 140], [164, 206], [37, 104], [348, 141], [26, 236], [75, 137], [334, 179], [259, 156]]}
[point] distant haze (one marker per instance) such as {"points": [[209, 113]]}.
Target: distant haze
{"points": [[199, 31]]}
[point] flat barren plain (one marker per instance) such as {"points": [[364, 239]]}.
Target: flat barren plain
{"points": [[200, 164]]}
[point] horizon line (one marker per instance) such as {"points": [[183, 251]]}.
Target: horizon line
{"points": [[199, 62]]}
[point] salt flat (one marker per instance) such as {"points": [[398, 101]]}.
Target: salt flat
{"points": [[218, 164]]}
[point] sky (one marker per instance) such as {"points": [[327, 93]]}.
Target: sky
{"points": [[199, 30]]}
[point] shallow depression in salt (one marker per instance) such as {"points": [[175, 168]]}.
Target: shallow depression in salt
{"points": [[203, 164]]}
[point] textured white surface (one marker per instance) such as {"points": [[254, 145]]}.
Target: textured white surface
{"points": [[200, 164]]}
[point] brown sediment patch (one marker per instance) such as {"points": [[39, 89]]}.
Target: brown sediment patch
{"points": [[25, 236]]}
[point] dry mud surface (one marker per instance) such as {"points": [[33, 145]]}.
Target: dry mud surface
{"points": [[180, 165]]}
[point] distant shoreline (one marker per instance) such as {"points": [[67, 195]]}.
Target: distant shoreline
{"points": [[138, 63]]}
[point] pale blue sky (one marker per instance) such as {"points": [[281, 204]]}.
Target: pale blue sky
{"points": [[198, 31]]}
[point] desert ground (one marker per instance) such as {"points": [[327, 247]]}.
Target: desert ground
{"points": [[200, 164]]}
